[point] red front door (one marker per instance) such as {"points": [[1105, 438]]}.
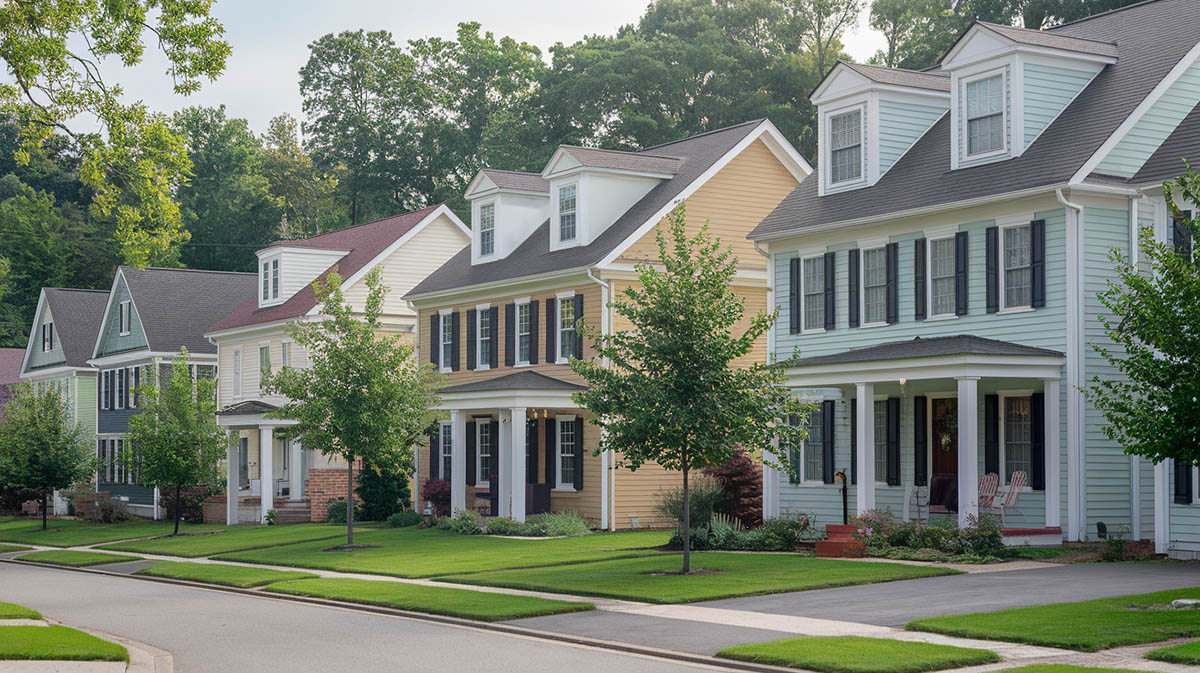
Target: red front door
{"points": [[944, 436]]}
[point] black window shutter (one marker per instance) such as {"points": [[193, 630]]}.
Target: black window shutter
{"points": [[855, 281], [493, 351], [472, 338], [830, 290], [1037, 238], [531, 451], [794, 295], [793, 454], [471, 453], [579, 453], [892, 251], [551, 447], [920, 441], [827, 441], [551, 354], [435, 456], [434, 338], [853, 440], [1181, 238], [1183, 482], [578, 332], [992, 252], [534, 316], [919, 292], [112, 389], [1037, 452], [455, 340], [991, 434], [494, 469], [893, 441], [961, 256], [510, 334]]}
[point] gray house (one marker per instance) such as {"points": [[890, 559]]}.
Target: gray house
{"points": [[150, 315], [937, 276]]}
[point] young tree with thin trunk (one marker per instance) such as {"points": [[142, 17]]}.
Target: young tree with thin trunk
{"points": [[41, 450], [174, 441], [670, 391], [364, 396]]}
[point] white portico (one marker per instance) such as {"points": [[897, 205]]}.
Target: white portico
{"points": [[247, 421]]}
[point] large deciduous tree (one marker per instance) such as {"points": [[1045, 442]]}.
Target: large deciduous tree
{"points": [[364, 396], [307, 195], [668, 389], [820, 24]]}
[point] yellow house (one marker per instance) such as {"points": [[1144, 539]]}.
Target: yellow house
{"points": [[253, 339], [545, 249]]}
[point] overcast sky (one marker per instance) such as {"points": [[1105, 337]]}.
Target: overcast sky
{"points": [[270, 42]]}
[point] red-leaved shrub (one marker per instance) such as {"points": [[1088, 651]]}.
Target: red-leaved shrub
{"points": [[437, 493], [741, 480]]}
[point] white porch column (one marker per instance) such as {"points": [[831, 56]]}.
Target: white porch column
{"points": [[1162, 506], [266, 471], [232, 478], [968, 448], [864, 492], [771, 481], [1053, 423], [295, 470], [458, 461], [517, 465], [504, 464]]}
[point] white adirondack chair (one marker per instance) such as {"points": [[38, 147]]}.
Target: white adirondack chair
{"points": [[1015, 485]]}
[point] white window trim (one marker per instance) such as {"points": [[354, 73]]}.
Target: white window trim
{"points": [[239, 372], [558, 482], [443, 316], [565, 295], [120, 385], [285, 353], [881, 476], [262, 345], [1001, 227], [1000, 421], [827, 148], [269, 266], [445, 429], [804, 329], [929, 314], [805, 478], [517, 304], [47, 336], [124, 318], [964, 123], [557, 240], [477, 235], [480, 480], [480, 362], [862, 284]]}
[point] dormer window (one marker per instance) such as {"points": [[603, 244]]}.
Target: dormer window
{"points": [[487, 229], [566, 213], [845, 143], [270, 280], [985, 115]]}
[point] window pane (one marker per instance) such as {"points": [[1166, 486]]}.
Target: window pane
{"points": [[523, 337], [985, 134], [446, 437], [275, 279], [1018, 436], [485, 336], [845, 142], [874, 285], [566, 213], [880, 440], [485, 451], [566, 448], [814, 456], [447, 340], [846, 164], [487, 229], [1018, 272], [814, 293], [941, 271], [566, 328]]}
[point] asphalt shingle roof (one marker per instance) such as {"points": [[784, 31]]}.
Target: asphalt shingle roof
{"points": [[936, 80], [624, 161], [1053, 40], [526, 182], [961, 344], [526, 380], [77, 317], [696, 154], [1150, 38], [10, 365], [176, 305]]}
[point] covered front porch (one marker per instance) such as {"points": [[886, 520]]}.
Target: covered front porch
{"points": [[264, 471], [946, 427]]}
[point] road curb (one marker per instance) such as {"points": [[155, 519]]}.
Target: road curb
{"points": [[143, 658], [496, 627]]}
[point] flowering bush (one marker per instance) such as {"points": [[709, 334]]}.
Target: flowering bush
{"points": [[980, 541], [726, 534]]}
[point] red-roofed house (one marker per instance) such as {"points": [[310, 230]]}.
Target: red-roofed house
{"points": [[253, 338]]}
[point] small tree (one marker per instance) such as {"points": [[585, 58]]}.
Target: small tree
{"points": [[364, 395], [174, 441], [40, 448], [671, 394], [1153, 408]]}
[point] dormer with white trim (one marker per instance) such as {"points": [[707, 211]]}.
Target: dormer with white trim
{"points": [[869, 116], [506, 207], [1008, 84], [284, 269]]}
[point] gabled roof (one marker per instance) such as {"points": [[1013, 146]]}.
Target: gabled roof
{"points": [[1151, 39], [1052, 40], [935, 80], [175, 305], [526, 380], [696, 155], [961, 344], [640, 162], [77, 317], [523, 182], [364, 242]]}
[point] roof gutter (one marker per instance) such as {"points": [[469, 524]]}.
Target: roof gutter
{"points": [[418, 299]]}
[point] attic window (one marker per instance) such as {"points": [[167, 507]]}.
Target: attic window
{"points": [[845, 142], [47, 337], [126, 318], [487, 229], [985, 115], [566, 213], [270, 280]]}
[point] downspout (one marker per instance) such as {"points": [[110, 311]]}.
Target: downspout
{"points": [[1076, 522], [770, 478], [607, 480]]}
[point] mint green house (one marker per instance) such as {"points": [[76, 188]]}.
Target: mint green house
{"points": [[937, 276]]}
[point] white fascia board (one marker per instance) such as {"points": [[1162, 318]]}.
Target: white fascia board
{"points": [[250, 421], [951, 60], [558, 156], [276, 250], [248, 330], [942, 367], [488, 399], [52, 372], [576, 170], [37, 319], [480, 184], [133, 356], [466, 292]]}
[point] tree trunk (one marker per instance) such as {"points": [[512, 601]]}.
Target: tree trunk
{"points": [[687, 521], [349, 500], [43, 511], [178, 509]]}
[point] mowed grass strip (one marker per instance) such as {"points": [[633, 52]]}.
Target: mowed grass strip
{"points": [[5, 548], [14, 611], [232, 538], [480, 605], [1087, 626], [75, 533], [24, 643], [854, 654], [75, 558], [412, 552], [218, 573], [723, 575], [1186, 653]]}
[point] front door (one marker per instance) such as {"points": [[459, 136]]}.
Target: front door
{"points": [[943, 437]]}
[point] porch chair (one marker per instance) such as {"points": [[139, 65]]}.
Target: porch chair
{"points": [[1015, 485], [988, 484]]}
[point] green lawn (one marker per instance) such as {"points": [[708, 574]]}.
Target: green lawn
{"points": [[23, 643], [14, 611], [234, 538], [74, 533], [5, 548], [1087, 625], [488, 607], [1186, 653], [854, 654], [216, 573], [736, 575], [412, 552], [72, 557]]}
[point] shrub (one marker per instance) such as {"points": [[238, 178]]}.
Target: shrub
{"points": [[404, 519], [382, 493], [982, 536], [443, 523], [981, 541], [706, 498], [723, 534], [740, 480], [557, 524], [1114, 544], [466, 522], [437, 493], [272, 517], [191, 504], [505, 526], [335, 511], [96, 507]]}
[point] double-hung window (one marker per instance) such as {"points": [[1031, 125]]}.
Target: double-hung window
{"points": [[486, 340], [941, 276], [524, 332], [1018, 436], [566, 451], [487, 229], [814, 455], [566, 213], [274, 279], [881, 432], [285, 354], [484, 450], [264, 361], [566, 328], [237, 372], [445, 442], [874, 282], [1017, 258], [813, 292], [985, 115], [126, 317], [845, 147], [119, 375], [447, 323], [47, 337], [105, 388]]}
